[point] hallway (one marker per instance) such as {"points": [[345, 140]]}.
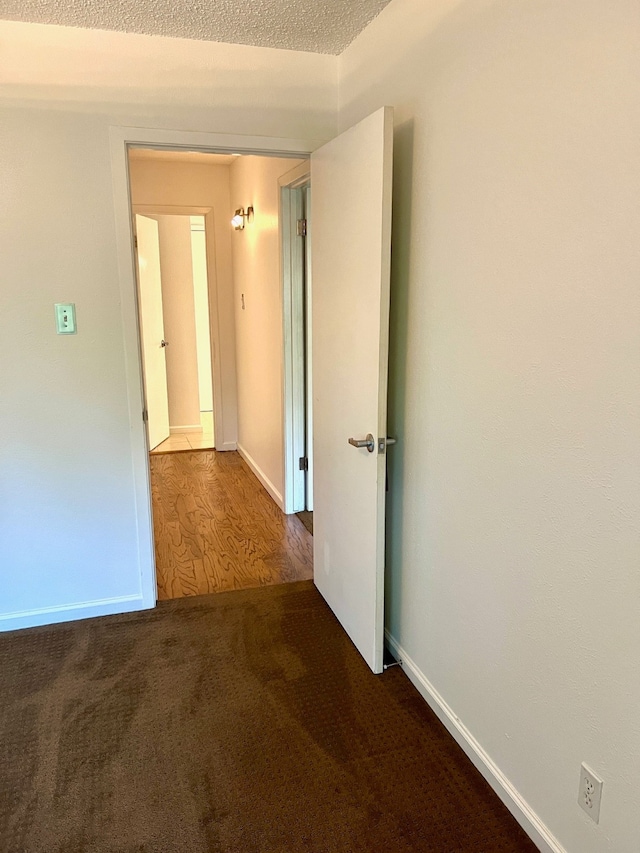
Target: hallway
{"points": [[217, 529]]}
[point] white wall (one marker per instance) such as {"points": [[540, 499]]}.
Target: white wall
{"points": [[259, 325], [67, 517], [201, 302], [178, 309], [515, 381]]}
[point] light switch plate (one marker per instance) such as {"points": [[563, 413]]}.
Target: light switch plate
{"points": [[65, 318]]}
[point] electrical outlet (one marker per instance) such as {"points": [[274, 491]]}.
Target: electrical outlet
{"points": [[590, 792]]}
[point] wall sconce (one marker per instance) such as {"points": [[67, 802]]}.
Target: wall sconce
{"points": [[241, 216]]}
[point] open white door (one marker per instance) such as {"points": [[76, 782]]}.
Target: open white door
{"points": [[351, 256], [152, 330]]}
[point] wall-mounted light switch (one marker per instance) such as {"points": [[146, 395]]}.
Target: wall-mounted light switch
{"points": [[65, 318]]}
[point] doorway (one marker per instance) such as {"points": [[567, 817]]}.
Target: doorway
{"points": [[352, 184], [216, 526], [173, 305], [295, 208]]}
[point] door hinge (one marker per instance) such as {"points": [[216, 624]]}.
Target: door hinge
{"points": [[303, 463], [301, 229], [145, 415], [135, 240]]}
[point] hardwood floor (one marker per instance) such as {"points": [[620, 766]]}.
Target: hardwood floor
{"points": [[216, 527]]}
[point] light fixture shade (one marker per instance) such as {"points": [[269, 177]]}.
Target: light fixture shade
{"points": [[241, 216], [238, 219]]}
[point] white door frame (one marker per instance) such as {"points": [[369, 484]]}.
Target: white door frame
{"points": [[212, 293], [120, 139], [308, 293], [293, 260]]}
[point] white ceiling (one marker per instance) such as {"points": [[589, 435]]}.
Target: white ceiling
{"points": [[181, 156], [319, 26]]}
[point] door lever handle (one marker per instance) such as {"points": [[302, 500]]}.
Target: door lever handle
{"points": [[369, 442]]}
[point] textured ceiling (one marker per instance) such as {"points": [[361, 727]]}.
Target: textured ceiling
{"points": [[317, 26]]}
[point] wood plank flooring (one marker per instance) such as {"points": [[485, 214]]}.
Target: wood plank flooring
{"points": [[216, 528]]}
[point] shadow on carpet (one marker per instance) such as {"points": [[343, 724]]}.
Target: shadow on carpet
{"points": [[243, 722], [306, 517]]}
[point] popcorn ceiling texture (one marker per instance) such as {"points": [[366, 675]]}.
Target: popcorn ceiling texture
{"points": [[323, 26]]}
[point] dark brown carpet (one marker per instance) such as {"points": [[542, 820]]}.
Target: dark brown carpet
{"points": [[242, 722]]}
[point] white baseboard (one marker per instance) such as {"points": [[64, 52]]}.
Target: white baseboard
{"points": [[517, 805], [71, 612], [179, 430], [228, 445], [266, 482]]}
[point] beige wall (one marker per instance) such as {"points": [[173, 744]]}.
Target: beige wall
{"points": [[68, 539], [514, 536], [160, 182], [259, 329], [178, 308], [151, 81]]}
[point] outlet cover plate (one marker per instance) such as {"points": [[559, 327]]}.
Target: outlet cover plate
{"points": [[590, 793]]}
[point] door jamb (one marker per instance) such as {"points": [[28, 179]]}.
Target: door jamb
{"points": [[212, 291], [292, 258], [120, 140], [308, 296]]}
